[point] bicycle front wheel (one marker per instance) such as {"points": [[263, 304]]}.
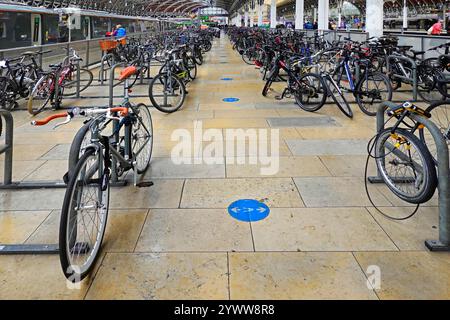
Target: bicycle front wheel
{"points": [[83, 217], [167, 93], [41, 94], [339, 99], [405, 165]]}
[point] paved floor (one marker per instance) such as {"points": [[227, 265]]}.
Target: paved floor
{"points": [[176, 240]]}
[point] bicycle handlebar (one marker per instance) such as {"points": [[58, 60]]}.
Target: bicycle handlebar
{"points": [[76, 111], [48, 119]]}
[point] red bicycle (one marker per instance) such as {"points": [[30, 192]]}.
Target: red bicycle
{"points": [[71, 79]]}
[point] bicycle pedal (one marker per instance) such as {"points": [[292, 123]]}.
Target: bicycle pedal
{"points": [[145, 184]]}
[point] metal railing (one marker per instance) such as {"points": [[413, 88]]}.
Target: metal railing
{"points": [[88, 50], [422, 42]]}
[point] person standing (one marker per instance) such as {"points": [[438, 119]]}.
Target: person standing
{"points": [[436, 28], [120, 31]]}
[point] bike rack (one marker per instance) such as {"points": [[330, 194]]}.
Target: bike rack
{"points": [[443, 244], [8, 167], [114, 178], [412, 81], [7, 148]]}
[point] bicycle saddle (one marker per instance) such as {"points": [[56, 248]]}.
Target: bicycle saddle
{"points": [[416, 52], [55, 66], [30, 53]]}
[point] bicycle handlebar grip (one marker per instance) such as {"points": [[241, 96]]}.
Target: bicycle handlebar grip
{"points": [[122, 110], [48, 119]]}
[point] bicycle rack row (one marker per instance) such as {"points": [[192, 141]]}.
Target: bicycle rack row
{"points": [[443, 244], [7, 149]]}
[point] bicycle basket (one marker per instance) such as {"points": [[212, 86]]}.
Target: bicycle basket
{"points": [[106, 45], [122, 41]]}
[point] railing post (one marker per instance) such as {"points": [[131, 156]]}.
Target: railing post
{"points": [[8, 148], [78, 79], [87, 53]]}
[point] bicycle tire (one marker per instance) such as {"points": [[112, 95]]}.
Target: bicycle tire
{"points": [[7, 98], [429, 175], [41, 88], [305, 103], [143, 113], [175, 82], [69, 247], [86, 78], [247, 56], [82, 139], [370, 108], [192, 68], [441, 117], [339, 99]]}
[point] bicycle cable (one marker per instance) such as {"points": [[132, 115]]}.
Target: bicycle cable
{"points": [[370, 146]]}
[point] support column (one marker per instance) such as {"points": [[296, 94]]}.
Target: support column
{"points": [[239, 20], [273, 14], [339, 14], [299, 14], [323, 11], [405, 15], [374, 18], [260, 14], [246, 18]]}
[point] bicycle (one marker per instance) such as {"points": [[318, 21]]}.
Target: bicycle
{"points": [[167, 90], [19, 78], [307, 88], [86, 201], [403, 160], [64, 79], [370, 89]]}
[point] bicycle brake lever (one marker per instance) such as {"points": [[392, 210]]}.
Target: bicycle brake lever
{"points": [[68, 118]]}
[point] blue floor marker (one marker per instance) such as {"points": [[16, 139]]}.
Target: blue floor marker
{"points": [[226, 79], [230, 99], [248, 210]]}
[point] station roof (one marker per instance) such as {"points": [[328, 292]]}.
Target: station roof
{"points": [[185, 7], [123, 7]]}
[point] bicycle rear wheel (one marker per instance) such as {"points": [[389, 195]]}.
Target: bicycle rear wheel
{"points": [[167, 93], [372, 91], [405, 165], [70, 85], [309, 92], [83, 217]]}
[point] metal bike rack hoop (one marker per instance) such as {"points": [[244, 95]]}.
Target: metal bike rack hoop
{"points": [[443, 244], [8, 184], [413, 81]]}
